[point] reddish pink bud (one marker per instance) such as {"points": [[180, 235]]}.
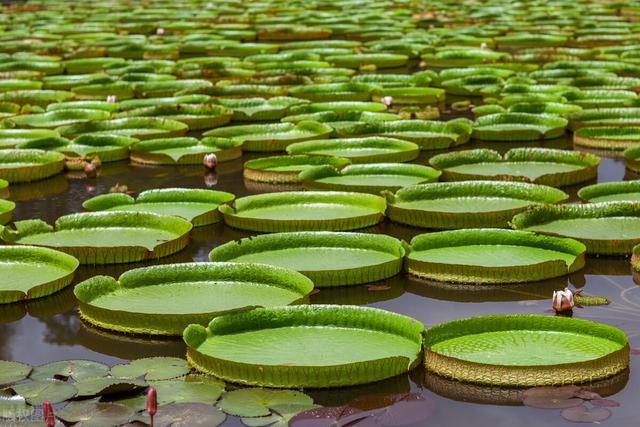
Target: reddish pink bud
{"points": [[90, 170], [152, 401], [387, 100], [210, 161], [47, 413], [112, 99], [562, 300]]}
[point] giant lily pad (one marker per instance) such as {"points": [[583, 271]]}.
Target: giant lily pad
{"points": [[327, 258], [134, 127], [451, 57], [272, 137], [185, 150], [610, 228], [53, 119], [287, 346], [467, 204], [9, 138], [110, 148], [304, 211], [429, 135], [196, 116], [106, 237], [137, 302], [368, 178], [492, 256], [259, 109], [32, 272], [380, 60], [285, 169], [6, 210], [330, 92], [338, 106], [607, 137], [39, 97], [410, 95], [360, 150], [518, 127], [200, 207], [525, 350], [611, 192], [29, 165], [538, 165], [632, 158], [596, 117]]}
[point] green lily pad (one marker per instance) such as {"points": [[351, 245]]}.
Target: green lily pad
{"points": [[258, 402], [259, 109], [473, 85], [187, 392], [158, 89], [602, 98], [9, 138], [304, 211], [84, 105], [340, 119], [607, 228], [12, 372], [338, 106], [103, 386], [467, 204], [360, 150], [492, 256], [133, 104], [327, 258], [29, 165], [332, 92], [285, 169], [611, 192], [109, 148], [200, 207], [39, 97], [106, 237], [185, 150], [196, 116], [280, 417], [188, 414], [607, 137], [554, 108], [64, 369], [134, 127], [31, 272], [91, 413], [518, 127], [538, 165], [6, 211], [410, 95], [53, 119], [268, 347], [451, 57], [37, 392], [14, 407], [199, 291], [611, 117], [498, 350], [272, 137], [152, 368], [368, 178]]}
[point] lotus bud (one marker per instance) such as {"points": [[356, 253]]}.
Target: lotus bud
{"points": [[91, 170], [160, 31], [152, 403], [387, 100], [210, 161], [47, 414], [211, 179], [483, 46], [562, 300], [112, 99], [422, 64]]}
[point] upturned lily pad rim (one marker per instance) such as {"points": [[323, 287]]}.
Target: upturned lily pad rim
{"points": [[399, 149], [163, 127], [45, 164], [259, 169], [230, 251], [607, 137], [150, 151], [519, 127], [163, 324], [595, 191], [305, 376], [521, 375]]}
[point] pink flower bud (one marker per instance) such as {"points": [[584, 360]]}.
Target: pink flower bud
{"points": [[90, 170], [160, 31], [112, 99], [47, 414], [152, 403], [210, 161], [483, 46], [562, 300], [387, 100]]}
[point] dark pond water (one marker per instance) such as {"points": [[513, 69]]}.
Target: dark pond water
{"points": [[50, 329]]}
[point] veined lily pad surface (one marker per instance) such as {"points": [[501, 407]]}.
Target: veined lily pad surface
{"points": [[525, 350], [467, 204], [607, 228], [327, 258], [53, 119], [538, 165], [360, 150], [607, 137], [184, 150], [286, 169], [134, 127], [29, 165], [492, 256], [106, 237], [31, 272], [518, 127], [259, 109], [305, 211], [272, 137], [611, 192], [264, 346], [139, 301], [368, 178]]}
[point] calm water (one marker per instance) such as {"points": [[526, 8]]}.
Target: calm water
{"points": [[49, 329]]}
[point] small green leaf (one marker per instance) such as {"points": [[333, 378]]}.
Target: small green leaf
{"points": [[95, 414], [11, 372], [257, 402], [187, 415], [14, 406], [280, 417], [36, 392], [102, 386], [64, 369], [152, 368]]}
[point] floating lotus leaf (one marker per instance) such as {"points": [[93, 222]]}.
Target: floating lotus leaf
{"points": [[14, 407], [31, 272], [304, 211], [18, 84], [341, 119], [473, 85], [429, 135], [545, 166], [467, 204], [607, 228], [327, 258], [360, 150], [95, 414], [525, 350], [39, 97], [64, 369], [519, 41], [104, 386], [380, 60], [106, 237], [258, 402], [461, 57], [285, 169], [240, 91], [152, 368], [68, 82], [632, 158], [185, 150], [200, 207], [98, 91], [280, 417], [607, 137], [12, 372], [606, 82], [338, 106], [196, 116], [188, 414], [611, 192], [84, 105], [555, 108], [54, 119], [136, 303], [259, 109], [159, 89], [421, 78], [268, 347], [272, 137], [368, 178], [6, 210], [134, 127], [612, 117], [37, 392], [109, 148], [602, 98], [410, 95], [188, 392], [331, 92], [518, 127], [134, 104], [492, 256], [29, 165], [89, 65]]}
